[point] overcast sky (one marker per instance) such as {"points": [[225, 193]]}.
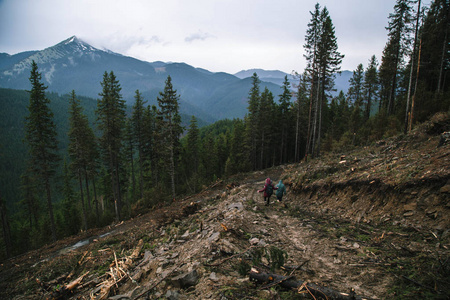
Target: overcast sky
{"points": [[217, 35]]}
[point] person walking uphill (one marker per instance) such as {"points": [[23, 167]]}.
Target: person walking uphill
{"points": [[268, 190], [281, 191]]}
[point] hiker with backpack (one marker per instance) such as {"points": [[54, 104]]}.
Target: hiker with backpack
{"points": [[268, 190], [281, 191]]}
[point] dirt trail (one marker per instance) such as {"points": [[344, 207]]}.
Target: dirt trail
{"points": [[335, 262]]}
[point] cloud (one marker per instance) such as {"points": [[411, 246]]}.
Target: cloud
{"points": [[198, 36]]}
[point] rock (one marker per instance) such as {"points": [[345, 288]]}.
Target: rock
{"points": [[172, 295], [185, 236], [262, 243], [254, 241], [408, 214], [410, 207], [214, 237], [226, 247], [185, 280], [213, 277], [237, 205], [445, 189]]}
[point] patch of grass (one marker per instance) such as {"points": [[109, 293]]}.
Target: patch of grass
{"points": [[101, 269], [363, 237]]}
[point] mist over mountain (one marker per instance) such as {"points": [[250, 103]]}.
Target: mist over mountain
{"points": [[75, 65]]}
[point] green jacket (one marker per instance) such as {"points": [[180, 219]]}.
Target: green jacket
{"points": [[281, 189]]}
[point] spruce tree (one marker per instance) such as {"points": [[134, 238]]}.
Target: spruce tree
{"points": [[29, 199], [432, 87], [323, 62], [253, 119], [150, 140], [370, 87], [78, 148], [111, 122], [395, 51], [41, 138], [193, 140], [311, 55], [285, 101], [137, 120], [170, 129], [69, 211], [301, 107], [5, 228], [266, 110], [354, 94]]}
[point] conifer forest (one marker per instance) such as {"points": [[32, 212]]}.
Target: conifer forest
{"points": [[87, 163]]}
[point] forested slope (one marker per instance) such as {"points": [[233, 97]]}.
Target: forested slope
{"points": [[373, 220]]}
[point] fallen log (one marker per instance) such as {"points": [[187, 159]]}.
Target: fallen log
{"points": [[290, 282]]}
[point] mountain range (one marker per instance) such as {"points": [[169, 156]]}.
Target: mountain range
{"points": [[75, 65]]}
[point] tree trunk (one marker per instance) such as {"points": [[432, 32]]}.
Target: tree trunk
{"points": [[88, 194], [316, 112], [308, 138], [444, 46], [133, 176], [50, 208], [83, 207], [6, 229], [321, 99], [296, 154], [369, 103], [97, 212], [394, 82], [141, 174], [415, 88], [262, 151], [407, 113], [282, 143], [119, 194], [113, 186], [172, 171]]}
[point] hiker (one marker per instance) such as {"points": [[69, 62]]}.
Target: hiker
{"points": [[281, 191], [268, 190]]}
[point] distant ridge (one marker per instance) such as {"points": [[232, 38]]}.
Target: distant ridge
{"points": [[74, 64]]}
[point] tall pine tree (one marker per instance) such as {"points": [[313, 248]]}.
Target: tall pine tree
{"points": [[395, 51], [41, 138], [170, 129], [111, 122]]}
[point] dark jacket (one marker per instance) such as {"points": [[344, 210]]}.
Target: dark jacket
{"points": [[267, 183]]}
